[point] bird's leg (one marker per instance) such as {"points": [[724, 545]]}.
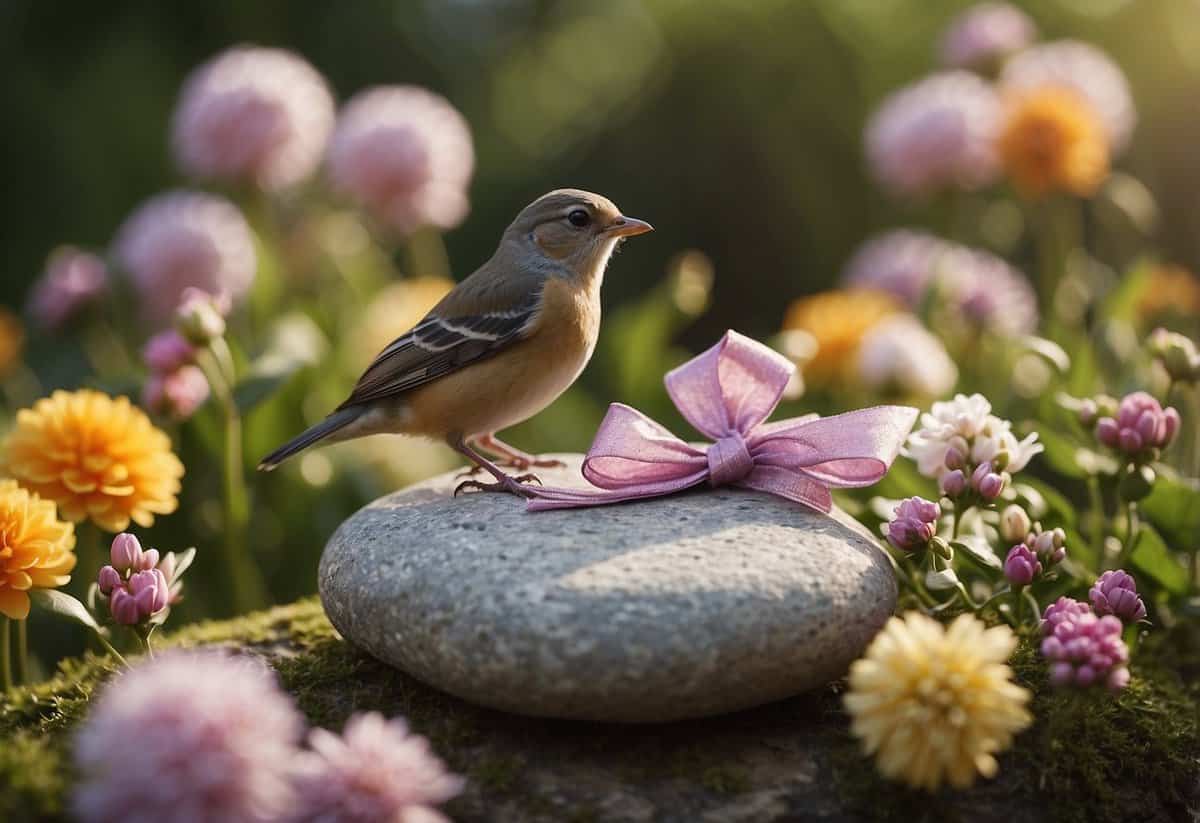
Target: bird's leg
{"points": [[504, 482], [513, 457]]}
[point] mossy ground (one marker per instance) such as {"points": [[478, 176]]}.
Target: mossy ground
{"points": [[1086, 757]]}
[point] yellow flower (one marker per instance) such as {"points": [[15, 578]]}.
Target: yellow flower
{"points": [[936, 704], [1053, 141], [837, 321], [12, 340], [96, 457], [36, 548], [1169, 289]]}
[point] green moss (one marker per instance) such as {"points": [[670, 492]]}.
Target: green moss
{"points": [[1085, 758]]}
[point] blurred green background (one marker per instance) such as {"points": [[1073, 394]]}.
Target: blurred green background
{"points": [[733, 126]]}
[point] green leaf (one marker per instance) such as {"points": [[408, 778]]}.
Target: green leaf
{"points": [[64, 605], [1174, 507], [978, 552], [940, 581], [1152, 557]]}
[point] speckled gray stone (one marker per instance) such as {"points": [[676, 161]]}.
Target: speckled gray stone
{"points": [[696, 604]]}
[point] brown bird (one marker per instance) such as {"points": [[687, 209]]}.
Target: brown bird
{"points": [[499, 348]]}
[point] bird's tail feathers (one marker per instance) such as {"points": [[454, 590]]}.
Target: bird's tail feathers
{"points": [[322, 430]]}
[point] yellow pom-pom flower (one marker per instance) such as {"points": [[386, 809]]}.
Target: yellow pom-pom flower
{"points": [[97, 457], [935, 704], [837, 321], [36, 548], [1052, 141]]}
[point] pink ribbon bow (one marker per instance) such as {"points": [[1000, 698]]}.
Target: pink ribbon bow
{"points": [[726, 393]]}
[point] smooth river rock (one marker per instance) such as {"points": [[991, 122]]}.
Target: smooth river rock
{"points": [[697, 604]]}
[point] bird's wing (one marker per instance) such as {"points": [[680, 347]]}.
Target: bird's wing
{"points": [[479, 318]]}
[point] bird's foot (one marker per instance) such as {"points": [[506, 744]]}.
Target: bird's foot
{"points": [[470, 471], [508, 485]]}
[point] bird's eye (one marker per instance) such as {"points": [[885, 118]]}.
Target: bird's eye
{"points": [[578, 218]]}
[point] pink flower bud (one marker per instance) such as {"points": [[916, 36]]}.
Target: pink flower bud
{"points": [[1115, 593], [149, 560], [150, 592], [124, 608], [108, 580], [167, 351], [126, 552], [1108, 432], [1021, 566], [954, 483], [914, 524], [1129, 441], [955, 459], [1171, 423]]}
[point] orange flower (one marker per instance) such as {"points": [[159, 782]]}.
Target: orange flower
{"points": [[1169, 289], [96, 457], [36, 548], [1053, 141], [837, 321]]}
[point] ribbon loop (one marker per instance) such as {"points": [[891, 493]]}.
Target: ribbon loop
{"points": [[729, 460], [727, 393]]}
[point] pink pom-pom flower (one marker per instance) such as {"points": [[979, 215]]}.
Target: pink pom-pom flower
{"points": [[984, 34], [405, 155], [936, 134], [181, 239], [253, 115], [375, 771], [188, 736], [1141, 424], [176, 394], [74, 279], [1083, 649]]}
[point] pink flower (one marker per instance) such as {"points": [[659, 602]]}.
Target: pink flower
{"points": [[1063, 609], [125, 552], [73, 280], [189, 736], [938, 133], [181, 239], [150, 591], [167, 351], [1083, 649], [1083, 69], [1116, 593], [177, 394], [108, 580], [404, 154], [253, 115], [914, 524], [1141, 425], [376, 771], [984, 34], [124, 607], [1021, 566]]}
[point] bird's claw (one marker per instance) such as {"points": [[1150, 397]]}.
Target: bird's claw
{"points": [[469, 472], [510, 485]]}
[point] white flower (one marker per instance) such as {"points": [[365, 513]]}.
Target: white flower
{"points": [[968, 423], [900, 352]]}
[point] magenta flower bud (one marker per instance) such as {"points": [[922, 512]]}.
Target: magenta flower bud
{"points": [[126, 552], [988, 484], [955, 459], [1171, 423], [1021, 566], [177, 394], [914, 524], [1115, 593], [1108, 432], [124, 608], [1129, 441], [954, 483], [150, 592], [108, 580], [167, 351]]}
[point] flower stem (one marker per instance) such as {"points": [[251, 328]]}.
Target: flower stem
{"points": [[111, 649], [6, 677], [22, 651], [1131, 529], [1098, 519], [955, 523], [245, 579]]}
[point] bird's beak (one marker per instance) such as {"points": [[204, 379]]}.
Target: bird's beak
{"points": [[627, 227]]}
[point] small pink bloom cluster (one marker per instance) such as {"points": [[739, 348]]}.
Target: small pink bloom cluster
{"points": [[1050, 547], [1141, 426], [985, 481], [74, 279], [914, 524], [138, 585], [1082, 648], [218, 740], [176, 386], [1116, 593]]}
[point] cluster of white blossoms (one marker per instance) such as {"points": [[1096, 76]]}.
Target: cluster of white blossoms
{"points": [[966, 424]]}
